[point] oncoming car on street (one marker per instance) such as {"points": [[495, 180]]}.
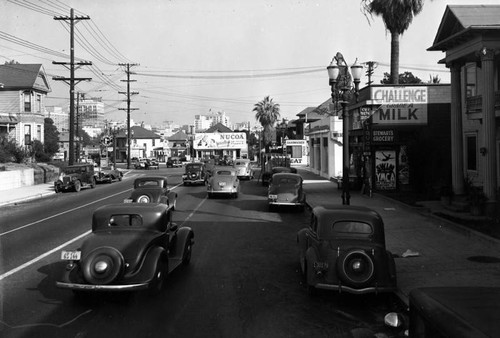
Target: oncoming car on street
{"points": [[152, 189], [343, 249], [223, 182], [194, 173], [131, 247], [75, 177]]}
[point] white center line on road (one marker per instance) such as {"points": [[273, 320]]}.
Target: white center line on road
{"points": [[34, 260]]}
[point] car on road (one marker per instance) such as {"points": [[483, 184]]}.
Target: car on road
{"points": [[75, 177], [131, 247], [141, 164], [152, 189], [343, 249], [195, 173], [266, 176], [153, 163], [174, 163], [286, 189], [107, 174], [223, 182], [244, 168]]}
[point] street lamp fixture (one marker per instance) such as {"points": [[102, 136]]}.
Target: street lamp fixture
{"points": [[342, 93]]}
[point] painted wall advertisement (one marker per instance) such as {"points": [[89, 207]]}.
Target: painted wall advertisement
{"points": [[400, 105], [385, 169], [204, 141]]}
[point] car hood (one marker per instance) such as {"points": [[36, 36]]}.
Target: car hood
{"points": [[132, 244]]}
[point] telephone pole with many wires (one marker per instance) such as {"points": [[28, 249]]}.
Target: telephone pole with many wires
{"points": [[128, 109], [72, 80]]}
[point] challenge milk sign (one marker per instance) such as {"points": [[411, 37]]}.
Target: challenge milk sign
{"points": [[400, 105]]}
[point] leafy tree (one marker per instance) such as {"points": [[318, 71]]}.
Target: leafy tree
{"points": [[397, 16], [10, 151], [267, 113], [404, 78], [51, 137]]}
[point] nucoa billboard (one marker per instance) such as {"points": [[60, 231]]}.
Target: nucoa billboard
{"points": [[400, 105], [204, 141]]}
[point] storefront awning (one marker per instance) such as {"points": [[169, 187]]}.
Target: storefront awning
{"points": [[8, 120]]}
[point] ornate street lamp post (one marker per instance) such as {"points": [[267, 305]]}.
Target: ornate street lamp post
{"points": [[342, 92]]}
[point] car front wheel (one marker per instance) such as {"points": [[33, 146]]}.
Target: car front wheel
{"points": [[78, 186], [188, 247], [160, 276]]}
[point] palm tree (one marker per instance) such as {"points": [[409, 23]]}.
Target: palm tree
{"points": [[267, 113], [397, 16]]}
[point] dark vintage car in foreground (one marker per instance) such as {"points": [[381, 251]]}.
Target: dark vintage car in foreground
{"points": [[458, 312], [343, 249], [223, 182], [75, 177], [107, 174], [285, 189], [152, 189], [195, 173], [131, 247]]}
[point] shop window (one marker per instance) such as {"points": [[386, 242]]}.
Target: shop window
{"points": [[471, 152]]}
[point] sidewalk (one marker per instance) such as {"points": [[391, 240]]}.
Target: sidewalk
{"points": [[448, 254]]}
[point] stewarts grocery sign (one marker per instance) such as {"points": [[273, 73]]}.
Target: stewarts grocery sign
{"points": [[220, 141], [400, 105]]}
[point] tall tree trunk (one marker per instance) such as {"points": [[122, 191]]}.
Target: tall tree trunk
{"points": [[394, 58]]}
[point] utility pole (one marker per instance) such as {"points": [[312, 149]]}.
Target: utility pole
{"points": [[369, 72], [72, 20], [128, 93]]}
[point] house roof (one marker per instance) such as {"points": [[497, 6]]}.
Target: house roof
{"points": [[462, 22], [310, 113], [179, 136], [140, 132], [24, 76], [219, 127]]}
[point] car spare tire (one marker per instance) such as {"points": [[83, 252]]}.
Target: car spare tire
{"points": [[102, 265], [355, 268]]}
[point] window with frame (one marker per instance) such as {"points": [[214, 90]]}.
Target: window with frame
{"points": [[38, 106], [470, 80], [39, 132], [471, 152], [27, 101]]}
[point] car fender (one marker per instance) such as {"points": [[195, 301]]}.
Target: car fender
{"points": [[183, 235], [147, 270], [311, 256]]}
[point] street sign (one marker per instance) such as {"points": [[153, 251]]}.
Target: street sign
{"points": [[106, 141]]}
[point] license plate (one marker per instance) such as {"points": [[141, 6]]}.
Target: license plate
{"points": [[273, 197], [127, 200], [71, 255], [222, 184], [320, 265]]}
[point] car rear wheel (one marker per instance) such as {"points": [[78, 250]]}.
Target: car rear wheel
{"points": [[188, 248], [160, 276], [78, 186], [93, 183], [355, 268], [102, 265]]}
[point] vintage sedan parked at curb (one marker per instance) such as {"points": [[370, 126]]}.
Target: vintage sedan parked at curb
{"points": [[343, 249], [285, 189], [75, 177], [194, 173], [223, 182], [152, 189], [131, 247], [107, 174]]}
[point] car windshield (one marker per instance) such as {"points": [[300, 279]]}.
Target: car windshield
{"points": [[75, 170], [125, 221], [351, 227], [193, 167]]}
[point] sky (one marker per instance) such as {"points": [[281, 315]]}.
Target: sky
{"points": [[194, 57]]}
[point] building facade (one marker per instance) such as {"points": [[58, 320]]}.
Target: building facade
{"points": [[23, 90], [470, 38]]}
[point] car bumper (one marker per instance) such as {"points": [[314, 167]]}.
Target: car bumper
{"points": [[286, 203], [92, 287], [360, 291], [194, 181]]}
